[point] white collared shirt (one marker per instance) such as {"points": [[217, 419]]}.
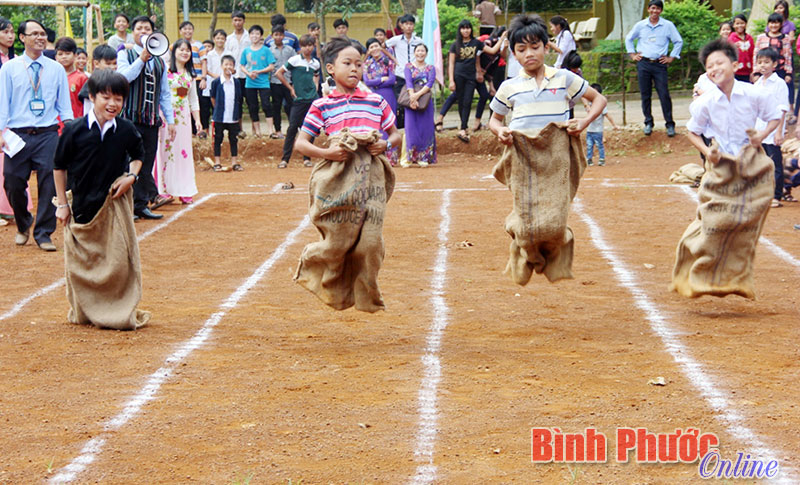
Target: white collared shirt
{"points": [[110, 125], [779, 93], [230, 97], [727, 120]]}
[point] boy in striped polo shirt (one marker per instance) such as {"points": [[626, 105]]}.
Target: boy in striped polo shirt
{"points": [[540, 94], [346, 106]]}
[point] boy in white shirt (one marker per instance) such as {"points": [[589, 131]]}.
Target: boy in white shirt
{"points": [[775, 86], [725, 114]]}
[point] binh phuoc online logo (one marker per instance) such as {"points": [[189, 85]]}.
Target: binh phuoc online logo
{"points": [[550, 445]]}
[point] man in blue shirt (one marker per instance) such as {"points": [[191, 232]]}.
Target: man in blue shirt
{"points": [[33, 93], [654, 34], [149, 91]]}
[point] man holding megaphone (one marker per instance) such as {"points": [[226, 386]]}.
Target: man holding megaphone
{"points": [[147, 74]]}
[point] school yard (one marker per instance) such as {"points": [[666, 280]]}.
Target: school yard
{"points": [[242, 376]]}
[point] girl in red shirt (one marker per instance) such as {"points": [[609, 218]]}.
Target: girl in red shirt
{"points": [[745, 45]]}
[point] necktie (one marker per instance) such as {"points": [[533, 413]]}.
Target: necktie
{"points": [[36, 67]]}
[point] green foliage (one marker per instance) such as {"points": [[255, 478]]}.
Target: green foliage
{"points": [[449, 17], [605, 67], [696, 22]]}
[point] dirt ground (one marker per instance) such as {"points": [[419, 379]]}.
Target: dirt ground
{"points": [[285, 390]]}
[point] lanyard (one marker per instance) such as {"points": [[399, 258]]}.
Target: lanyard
{"points": [[38, 83]]}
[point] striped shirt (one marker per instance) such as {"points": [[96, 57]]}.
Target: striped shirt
{"points": [[534, 107], [360, 112]]}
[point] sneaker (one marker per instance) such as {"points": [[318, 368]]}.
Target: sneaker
{"points": [[670, 131], [648, 130], [589, 162], [601, 162]]}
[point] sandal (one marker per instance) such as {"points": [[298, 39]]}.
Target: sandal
{"points": [[464, 138], [283, 164], [308, 163], [439, 125], [217, 167], [776, 203], [478, 128], [788, 198], [237, 167], [276, 136]]}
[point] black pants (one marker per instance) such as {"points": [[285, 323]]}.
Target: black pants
{"points": [[400, 115], [465, 90], [486, 30], [498, 76], [296, 117], [654, 73], [37, 154], [205, 110], [145, 190], [252, 102], [483, 98], [233, 132], [774, 152], [281, 97]]}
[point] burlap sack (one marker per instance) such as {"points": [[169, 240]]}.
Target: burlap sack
{"points": [[715, 254], [347, 204], [104, 279], [691, 173], [543, 171]]}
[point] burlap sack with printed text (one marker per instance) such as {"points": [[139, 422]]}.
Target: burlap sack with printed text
{"points": [[104, 279], [715, 254], [347, 205], [542, 170]]}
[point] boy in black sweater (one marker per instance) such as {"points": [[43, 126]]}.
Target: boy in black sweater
{"points": [[104, 281]]}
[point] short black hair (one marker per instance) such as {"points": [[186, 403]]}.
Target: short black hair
{"points": [[278, 28], [527, 28], [775, 17], [375, 32], [657, 3], [572, 60], [421, 45], [66, 44], [277, 19], [338, 22], [597, 87], [51, 34], [237, 14], [227, 57], [370, 41], [127, 19], [108, 81], [741, 17], [313, 26], [184, 24], [406, 18], [769, 53], [256, 27], [307, 39], [142, 18], [332, 49], [23, 26], [104, 52], [219, 31], [721, 45], [81, 50]]}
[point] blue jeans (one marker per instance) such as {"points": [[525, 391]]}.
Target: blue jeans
{"points": [[593, 139]]}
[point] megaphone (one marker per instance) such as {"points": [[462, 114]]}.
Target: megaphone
{"points": [[156, 44]]}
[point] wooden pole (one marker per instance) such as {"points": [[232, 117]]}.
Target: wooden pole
{"points": [[101, 35], [61, 29]]}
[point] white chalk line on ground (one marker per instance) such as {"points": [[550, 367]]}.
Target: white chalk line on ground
{"points": [[776, 250], [58, 283], [94, 447], [692, 369], [432, 369]]}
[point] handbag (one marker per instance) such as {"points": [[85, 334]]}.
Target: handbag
{"points": [[404, 99]]}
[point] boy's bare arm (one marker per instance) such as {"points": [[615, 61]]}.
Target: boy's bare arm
{"points": [[380, 146], [598, 105], [497, 126], [611, 120], [712, 156], [62, 211], [304, 146], [282, 79]]}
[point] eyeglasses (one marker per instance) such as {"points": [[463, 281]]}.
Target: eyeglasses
{"points": [[36, 34]]}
